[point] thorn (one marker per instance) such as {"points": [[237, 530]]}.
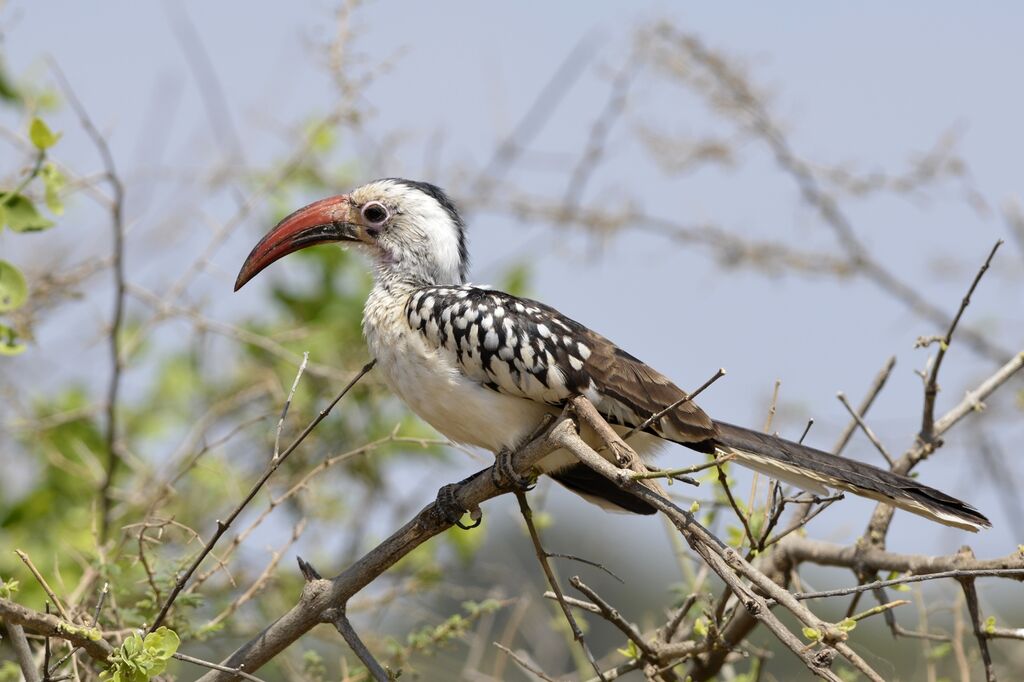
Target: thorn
{"points": [[810, 423], [308, 572]]}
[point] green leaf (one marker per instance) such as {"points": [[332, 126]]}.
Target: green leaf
{"points": [[694, 507], [139, 660], [13, 287], [21, 214], [847, 624], [631, 650], [9, 344], [41, 135], [162, 643], [53, 182], [700, 628], [812, 634], [990, 625]]}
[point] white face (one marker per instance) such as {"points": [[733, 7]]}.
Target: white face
{"points": [[416, 234]]}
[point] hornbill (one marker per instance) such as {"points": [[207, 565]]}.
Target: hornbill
{"points": [[483, 367]]}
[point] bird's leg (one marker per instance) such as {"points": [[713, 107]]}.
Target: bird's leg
{"points": [[451, 511], [503, 474]]}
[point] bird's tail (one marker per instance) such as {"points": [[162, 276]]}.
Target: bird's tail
{"points": [[816, 471]]}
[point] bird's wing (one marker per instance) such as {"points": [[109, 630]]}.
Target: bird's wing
{"points": [[524, 348], [527, 349]]}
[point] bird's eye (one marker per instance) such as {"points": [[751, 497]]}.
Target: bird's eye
{"points": [[375, 213]]}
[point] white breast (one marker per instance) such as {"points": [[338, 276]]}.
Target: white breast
{"points": [[433, 386]]}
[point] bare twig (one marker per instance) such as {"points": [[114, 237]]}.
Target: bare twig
{"points": [[723, 480], [865, 428], [612, 615], [288, 404], [881, 608], [524, 664], [869, 398], [679, 473], [956, 573], [588, 562], [344, 627], [931, 388], [216, 666], [971, 594], [42, 583], [542, 557], [114, 335], [222, 526]]}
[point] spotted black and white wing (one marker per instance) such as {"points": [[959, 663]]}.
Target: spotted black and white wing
{"points": [[526, 349]]}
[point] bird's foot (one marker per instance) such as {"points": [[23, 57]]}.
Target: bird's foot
{"points": [[451, 511], [504, 476]]}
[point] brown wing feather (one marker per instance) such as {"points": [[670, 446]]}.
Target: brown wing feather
{"points": [[645, 391]]}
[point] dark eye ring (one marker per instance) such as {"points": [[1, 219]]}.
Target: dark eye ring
{"points": [[375, 213]]}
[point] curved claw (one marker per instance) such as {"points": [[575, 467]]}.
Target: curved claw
{"points": [[476, 522], [450, 511], [505, 477]]}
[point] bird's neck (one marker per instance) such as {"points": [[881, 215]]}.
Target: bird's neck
{"points": [[408, 276]]}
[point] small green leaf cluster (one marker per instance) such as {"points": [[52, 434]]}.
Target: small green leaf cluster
{"points": [[429, 639], [432, 636], [18, 212], [140, 659], [8, 588]]}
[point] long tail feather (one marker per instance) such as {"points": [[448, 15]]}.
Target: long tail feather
{"points": [[816, 471]]}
